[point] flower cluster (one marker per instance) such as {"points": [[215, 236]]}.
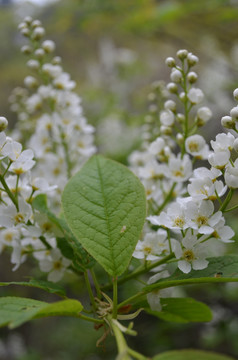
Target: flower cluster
{"points": [[51, 123], [187, 200], [49, 111]]}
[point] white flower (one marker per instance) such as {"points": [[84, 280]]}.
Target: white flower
{"points": [[200, 216], [157, 146], [175, 218], [195, 95], [153, 245], [206, 189], [231, 175], [23, 163], [153, 297], [179, 169], [223, 142], [223, 232], [7, 236], [219, 159], [12, 149], [56, 264], [191, 253], [9, 216], [196, 146]]}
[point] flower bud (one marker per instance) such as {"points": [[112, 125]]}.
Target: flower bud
{"points": [[180, 118], [182, 96], [176, 75], [39, 53], [30, 82], [167, 117], [170, 105], [33, 64], [234, 112], [28, 20], [26, 49], [203, 115], [22, 25], [166, 130], [179, 138], [36, 23], [228, 122], [192, 59], [48, 46], [56, 60], [3, 123], [172, 88], [170, 62], [25, 32], [235, 94], [192, 77], [195, 96], [182, 54], [38, 33]]}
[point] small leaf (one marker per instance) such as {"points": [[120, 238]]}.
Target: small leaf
{"points": [[182, 310], [44, 285], [105, 206], [220, 269], [191, 355], [14, 311]]}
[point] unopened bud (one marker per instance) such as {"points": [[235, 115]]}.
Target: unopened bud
{"points": [[203, 115], [3, 123], [170, 62], [25, 32], [192, 77], [176, 75], [192, 59], [56, 60], [170, 105], [33, 64], [166, 130], [151, 96], [234, 112], [38, 33], [172, 88], [235, 94], [182, 54], [180, 118], [26, 49], [228, 122], [28, 20], [48, 46], [179, 138], [39, 53], [36, 23], [153, 108], [182, 96]]}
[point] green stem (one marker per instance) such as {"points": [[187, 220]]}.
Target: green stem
{"points": [[144, 269], [136, 355], [88, 285], [168, 197], [97, 286], [114, 311], [227, 200], [9, 193], [232, 208], [88, 318], [121, 342], [131, 299]]}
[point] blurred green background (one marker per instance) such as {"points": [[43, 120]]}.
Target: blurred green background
{"points": [[115, 49]]}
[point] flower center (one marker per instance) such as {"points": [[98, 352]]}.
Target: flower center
{"points": [[179, 222], [188, 255], [202, 220]]}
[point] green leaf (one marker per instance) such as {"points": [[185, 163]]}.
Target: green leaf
{"points": [[14, 311], [191, 355], [68, 245], [44, 285], [182, 310], [220, 269], [105, 206]]}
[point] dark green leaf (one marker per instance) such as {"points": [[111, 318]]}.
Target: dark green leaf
{"points": [[191, 355]]}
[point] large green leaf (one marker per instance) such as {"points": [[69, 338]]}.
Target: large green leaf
{"points": [[191, 355], [15, 311], [220, 269], [105, 206], [182, 310]]}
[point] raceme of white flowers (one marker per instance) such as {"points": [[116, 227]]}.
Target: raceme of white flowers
{"points": [[60, 140], [186, 202]]}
